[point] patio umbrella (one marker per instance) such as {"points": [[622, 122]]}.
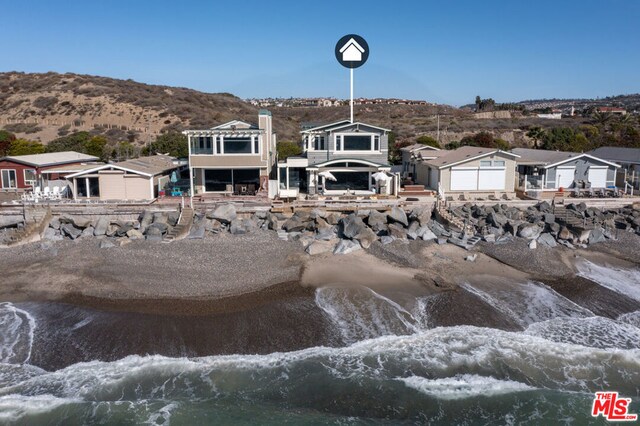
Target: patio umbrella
{"points": [[327, 175], [174, 177], [380, 177]]}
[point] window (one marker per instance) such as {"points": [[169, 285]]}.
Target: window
{"points": [[217, 180], [218, 145], [9, 179], [338, 142], [237, 145], [30, 177], [485, 163], [201, 145], [498, 163], [356, 143], [256, 145], [348, 181], [318, 143], [376, 143]]}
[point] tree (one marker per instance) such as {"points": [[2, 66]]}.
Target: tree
{"points": [[287, 149], [600, 118], [478, 102], [5, 141], [172, 143], [428, 140], [25, 147], [537, 134], [96, 146], [73, 142]]}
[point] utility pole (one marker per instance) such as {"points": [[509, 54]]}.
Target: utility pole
{"points": [[438, 131]]}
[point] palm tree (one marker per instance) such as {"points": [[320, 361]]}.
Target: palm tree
{"points": [[537, 134], [600, 118]]}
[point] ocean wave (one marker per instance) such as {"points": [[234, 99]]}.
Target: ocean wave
{"points": [[620, 280], [463, 386], [16, 334], [357, 380]]}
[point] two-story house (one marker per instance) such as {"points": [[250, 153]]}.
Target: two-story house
{"points": [[235, 157], [339, 158]]}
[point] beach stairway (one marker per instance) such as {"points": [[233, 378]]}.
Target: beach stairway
{"points": [[571, 219], [442, 213], [36, 220], [182, 228]]}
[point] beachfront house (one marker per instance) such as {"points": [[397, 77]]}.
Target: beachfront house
{"points": [[339, 158], [138, 179], [409, 154], [629, 161], [233, 158], [469, 172], [22, 172], [542, 171]]}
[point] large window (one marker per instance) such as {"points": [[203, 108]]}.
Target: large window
{"points": [[9, 179], [219, 180], [348, 180], [318, 143], [237, 145], [201, 145], [356, 142]]}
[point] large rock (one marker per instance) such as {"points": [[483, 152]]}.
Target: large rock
{"points": [[529, 231], [366, 237], [87, 232], [412, 231], [51, 234], [162, 228], [294, 224], [346, 247], [352, 225], [597, 236], [549, 218], [422, 214], [101, 226], [160, 217], [123, 228], [134, 234], [547, 239], [398, 215], [154, 234], [565, 234], [426, 234], [172, 218], [77, 221], [55, 223], [332, 218], [496, 219], [146, 219], [319, 247], [112, 230], [397, 231], [12, 221], [242, 226], [197, 231], [213, 225], [70, 231], [377, 221]]}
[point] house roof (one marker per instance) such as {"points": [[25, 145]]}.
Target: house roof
{"points": [[341, 124], [617, 154], [51, 158], [146, 166], [72, 168], [418, 147], [444, 159], [546, 158]]}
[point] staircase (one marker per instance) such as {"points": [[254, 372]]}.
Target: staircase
{"points": [[182, 228], [571, 219], [36, 220], [442, 212]]}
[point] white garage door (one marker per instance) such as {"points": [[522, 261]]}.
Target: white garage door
{"points": [[492, 179], [564, 176], [464, 179], [598, 177]]}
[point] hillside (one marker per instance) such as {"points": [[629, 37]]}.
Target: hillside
{"points": [[43, 107]]}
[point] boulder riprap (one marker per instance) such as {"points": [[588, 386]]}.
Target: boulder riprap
{"points": [[399, 216]]}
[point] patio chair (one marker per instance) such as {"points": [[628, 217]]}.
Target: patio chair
{"points": [[56, 194], [46, 193]]}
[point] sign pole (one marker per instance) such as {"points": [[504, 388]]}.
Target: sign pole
{"points": [[351, 103]]}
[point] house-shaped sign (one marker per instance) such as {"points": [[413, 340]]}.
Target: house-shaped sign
{"points": [[352, 51]]}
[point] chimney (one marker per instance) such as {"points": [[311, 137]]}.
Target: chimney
{"points": [[264, 123]]}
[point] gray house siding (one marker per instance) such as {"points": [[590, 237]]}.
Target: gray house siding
{"points": [[581, 172], [381, 157]]}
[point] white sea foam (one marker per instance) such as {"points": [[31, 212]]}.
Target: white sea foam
{"points": [[361, 313], [15, 407], [16, 334], [632, 318], [623, 281], [596, 332], [464, 386], [528, 302]]}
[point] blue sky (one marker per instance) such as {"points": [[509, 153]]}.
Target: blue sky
{"points": [[445, 51]]}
